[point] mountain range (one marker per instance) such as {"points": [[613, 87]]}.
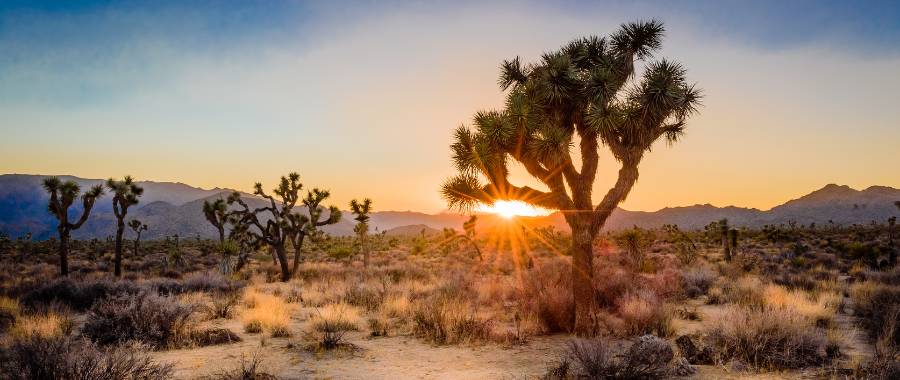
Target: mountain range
{"points": [[176, 208]]}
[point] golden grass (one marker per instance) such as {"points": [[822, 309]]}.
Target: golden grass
{"points": [[9, 306], [45, 325], [396, 306], [818, 309], [265, 312], [339, 316]]}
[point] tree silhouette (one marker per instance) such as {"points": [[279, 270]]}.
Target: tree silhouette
{"points": [[62, 195], [216, 213], [138, 228], [307, 226], [362, 210], [125, 194], [581, 89], [469, 228], [282, 225]]}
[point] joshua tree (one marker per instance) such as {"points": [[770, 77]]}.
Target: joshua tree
{"points": [[469, 228], [138, 228], [125, 194], [216, 213], [361, 210], [282, 225], [732, 242], [307, 226], [581, 89], [62, 195], [726, 247]]}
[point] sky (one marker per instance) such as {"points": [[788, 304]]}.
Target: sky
{"points": [[362, 97]]}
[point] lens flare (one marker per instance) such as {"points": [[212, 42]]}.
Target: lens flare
{"points": [[511, 209]]}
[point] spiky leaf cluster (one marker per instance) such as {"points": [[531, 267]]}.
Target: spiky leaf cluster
{"points": [[63, 195], [125, 194]]}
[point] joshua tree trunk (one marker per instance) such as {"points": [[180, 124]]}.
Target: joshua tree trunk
{"points": [[365, 248], [282, 260], [63, 252], [298, 244], [120, 230], [582, 276]]}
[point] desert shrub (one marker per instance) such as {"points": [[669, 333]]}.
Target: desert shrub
{"points": [[697, 281], [331, 322], [446, 319], [546, 293], [646, 358], [248, 370], [885, 364], [746, 291], [195, 282], [396, 306], [878, 308], [223, 305], [158, 321], [63, 357], [769, 339], [214, 336], [78, 295], [820, 309]]}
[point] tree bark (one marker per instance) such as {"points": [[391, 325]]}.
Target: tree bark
{"points": [[365, 248], [120, 230], [582, 277], [282, 260], [63, 253], [298, 244]]}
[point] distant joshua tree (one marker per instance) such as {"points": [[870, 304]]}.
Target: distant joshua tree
{"points": [[307, 226], [62, 195], [362, 210], [216, 213], [138, 228], [469, 228], [125, 194], [282, 225], [582, 89]]}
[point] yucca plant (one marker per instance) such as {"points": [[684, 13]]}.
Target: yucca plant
{"points": [[277, 224], [581, 89], [216, 212], [62, 195], [362, 210], [125, 194], [138, 228]]}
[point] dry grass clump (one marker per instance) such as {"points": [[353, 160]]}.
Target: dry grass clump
{"points": [[9, 312], [448, 319], [45, 324], [774, 338], [746, 291], [331, 322], [642, 312], [64, 357], [547, 293], [819, 309], [248, 370], [265, 312], [396, 306]]}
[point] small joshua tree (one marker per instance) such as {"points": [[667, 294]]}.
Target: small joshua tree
{"points": [[726, 247], [282, 225], [138, 228], [362, 210], [469, 228], [307, 226], [125, 194], [216, 213], [581, 89], [62, 195]]}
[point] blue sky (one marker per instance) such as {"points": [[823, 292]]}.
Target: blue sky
{"points": [[226, 93]]}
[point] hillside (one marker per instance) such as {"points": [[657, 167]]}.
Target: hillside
{"points": [[176, 208]]}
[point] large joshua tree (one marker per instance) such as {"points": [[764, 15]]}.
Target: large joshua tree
{"points": [[277, 224], [362, 210], [62, 195], [125, 194], [216, 212], [307, 226], [584, 90]]}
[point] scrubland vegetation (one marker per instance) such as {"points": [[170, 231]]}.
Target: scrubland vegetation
{"points": [[656, 315]]}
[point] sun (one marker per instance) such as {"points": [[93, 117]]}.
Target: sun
{"points": [[511, 209]]}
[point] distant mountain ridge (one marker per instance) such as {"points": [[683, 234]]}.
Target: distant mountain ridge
{"points": [[176, 208]]}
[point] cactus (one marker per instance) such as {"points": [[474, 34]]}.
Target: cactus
{"points": [[125, 194], [138, 228], [282, 224], [62, 195], [216, 213], [582, 88], [362, 210]]}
